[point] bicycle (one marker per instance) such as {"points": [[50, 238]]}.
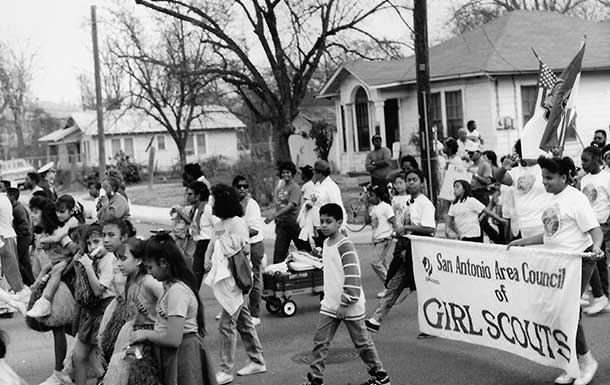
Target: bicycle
{"points": [[355, 210]]}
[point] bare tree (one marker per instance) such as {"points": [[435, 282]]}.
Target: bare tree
{"points": [[15, 77], [474, 13], [167, 72], [292, 37]]}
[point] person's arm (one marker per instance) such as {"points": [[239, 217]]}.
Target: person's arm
{"points": [[352, 282], [597, 236], [537, 239], [60, 232], [483, 174], [451, 225], [501, 174], [172, 337], [253, 218], [386, 161], [495, 216], [368, 163], [118, 208], [101, 284]]}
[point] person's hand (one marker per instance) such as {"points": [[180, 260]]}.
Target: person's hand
{"points": [[207, 264], [270, 219], [516, 242], [509, 161], [138, 336], [342, 312], [597, 252], [85, 261]]}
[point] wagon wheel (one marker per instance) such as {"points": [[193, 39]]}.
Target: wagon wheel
{"points": [[289, 308], [273, 305]]}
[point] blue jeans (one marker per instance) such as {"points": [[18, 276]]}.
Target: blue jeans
{"points": [[327, 327], [241, 322], [257, 251], [394, 288]]}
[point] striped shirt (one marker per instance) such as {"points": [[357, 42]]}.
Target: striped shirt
{"points": [[342, 282]]}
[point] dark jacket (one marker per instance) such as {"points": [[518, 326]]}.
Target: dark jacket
{"points": [[21, 220]]}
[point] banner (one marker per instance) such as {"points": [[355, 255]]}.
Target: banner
{"points": [[524, 300]]}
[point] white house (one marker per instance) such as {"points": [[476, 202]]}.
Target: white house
{"points": [[215, 132], [488, 75]]}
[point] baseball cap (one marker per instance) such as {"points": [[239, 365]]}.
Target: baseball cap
{"points": [[46, 167]]}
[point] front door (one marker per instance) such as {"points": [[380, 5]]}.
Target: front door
{"points": [[392, 129]]}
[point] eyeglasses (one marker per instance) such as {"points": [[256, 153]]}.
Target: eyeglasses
{"points": [[242, 186]]}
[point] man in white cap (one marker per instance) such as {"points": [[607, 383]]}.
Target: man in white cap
{"points": [[47, 175]]}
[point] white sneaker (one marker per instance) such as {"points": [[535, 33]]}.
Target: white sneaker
{"points": [[381, 294], [58, 378], [223, 378], [584, 302], [251, 368], [564, 379], [588, 367], [218, 315], [41, 308], [256, 321], [597, 305]]}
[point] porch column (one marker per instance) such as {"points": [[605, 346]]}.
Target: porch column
{"points": [[380, 121], [350, 133]]}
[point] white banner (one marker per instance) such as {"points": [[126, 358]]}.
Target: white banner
{"points": [[523, 300]]}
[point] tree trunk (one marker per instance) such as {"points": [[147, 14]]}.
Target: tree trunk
{"points": [[282, 129], [18, 118], [182, 154]]}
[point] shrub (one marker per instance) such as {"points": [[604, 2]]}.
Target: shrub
{"points": [[322, 134], [260, 174], [212, 165], [129, 170]]}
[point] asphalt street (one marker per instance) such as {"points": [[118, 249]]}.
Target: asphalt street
{"points": [[286, 340]]}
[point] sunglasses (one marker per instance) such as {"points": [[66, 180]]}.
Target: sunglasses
{"points": [[242, 186]]}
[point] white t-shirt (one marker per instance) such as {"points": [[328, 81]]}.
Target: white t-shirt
{"points": [[254, 219], [6, 217], [206, 223], [307, 190], [466, 217], [420, 212], [567, 217], [530, 197], [380, 221], [596, 187]]}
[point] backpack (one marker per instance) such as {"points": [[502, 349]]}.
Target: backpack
{"points": [[241, 269]]}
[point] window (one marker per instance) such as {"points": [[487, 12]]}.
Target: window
{"points": [[362, 120], [529, 95], [160, 142], [53, 150], [116, 147], [436, 113], [190, 147], [455, 113], [201, 145], [129, 150]]}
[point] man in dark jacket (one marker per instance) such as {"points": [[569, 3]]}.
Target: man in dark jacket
{"points": [[22, 226]]}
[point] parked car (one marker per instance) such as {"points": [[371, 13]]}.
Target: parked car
{"points": [[15, 171]]}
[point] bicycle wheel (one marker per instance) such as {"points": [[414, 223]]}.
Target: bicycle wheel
{"points": [[355, 215]]}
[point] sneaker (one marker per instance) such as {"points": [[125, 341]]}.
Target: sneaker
{"points": [[218, 315], [311, 380], [379, 377], [564, 379], [251, 368], [256, 321], [597, 305], [224, 378], [372, 325], [41, 308], [584, 302], [588, 367], [58, 378], [381, 294], [424, 336]]}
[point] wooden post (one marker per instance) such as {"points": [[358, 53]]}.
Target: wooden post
{"points": [[422, 65], [98, 96], [151, 167]]}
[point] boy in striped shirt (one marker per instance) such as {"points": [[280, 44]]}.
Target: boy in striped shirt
{"points": [[343, 301]]}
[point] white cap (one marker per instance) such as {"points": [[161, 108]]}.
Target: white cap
{"points": [[46, 167]]}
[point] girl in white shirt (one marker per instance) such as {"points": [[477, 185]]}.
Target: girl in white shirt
{"points": [[464, 214], [381, 218], [569, 225]]}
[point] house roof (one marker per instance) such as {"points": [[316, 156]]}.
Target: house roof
{"points": [[59, 135], [502, 46], [314, 109], [134, 121]]}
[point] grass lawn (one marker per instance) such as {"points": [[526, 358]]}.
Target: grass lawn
{"points": [[169, 194]]}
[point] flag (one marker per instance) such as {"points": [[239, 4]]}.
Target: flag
{"points": [[561, 103], [532, 132]]}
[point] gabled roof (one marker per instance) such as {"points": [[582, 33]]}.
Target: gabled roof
{"points": [[313, 109], [134, 121], [502, 46], [59, 135]]}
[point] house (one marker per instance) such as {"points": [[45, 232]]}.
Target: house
{"points": [[132, 131], [488, 75]]}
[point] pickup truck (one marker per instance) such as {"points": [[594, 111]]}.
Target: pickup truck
{"points": [[15, 171]]}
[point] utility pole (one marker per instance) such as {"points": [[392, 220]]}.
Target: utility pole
{"points": [[422, 65], [98, 96]]}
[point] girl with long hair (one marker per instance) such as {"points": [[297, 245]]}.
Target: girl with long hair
{"points": [[178, 332]]}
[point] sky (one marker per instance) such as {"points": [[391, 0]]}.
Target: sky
{"points": [[58, 32]]}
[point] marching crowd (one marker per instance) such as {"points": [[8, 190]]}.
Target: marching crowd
{"points": [[133, 304]]}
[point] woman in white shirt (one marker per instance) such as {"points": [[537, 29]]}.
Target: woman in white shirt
{"points": [[569, 225]]}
